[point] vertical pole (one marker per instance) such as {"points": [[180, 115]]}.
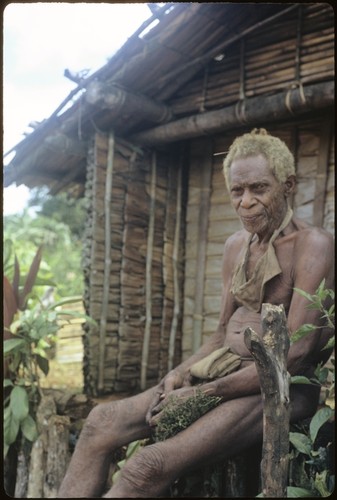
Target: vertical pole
{"points": [[107, 262], [148, 278]]}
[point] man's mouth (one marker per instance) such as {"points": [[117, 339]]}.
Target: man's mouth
{"points": [[250, 219]]}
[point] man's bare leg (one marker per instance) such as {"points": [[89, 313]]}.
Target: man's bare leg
{"points": [[223, 432], [108, 427]]}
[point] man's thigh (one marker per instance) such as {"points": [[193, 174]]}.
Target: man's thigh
{"points": [[224, 431]]}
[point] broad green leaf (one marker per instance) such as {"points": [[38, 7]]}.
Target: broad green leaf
{"points": [[43, 364], [304, 294], [323, 375], [295, 492], [301, 442], [11, 429], [29, 429], [330, 344], [132, 448], [7, 413], [319, 419], [302, 332], [300, 379], [12, 344], [8, 382], [19, 403]]}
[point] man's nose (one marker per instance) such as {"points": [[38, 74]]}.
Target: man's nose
{"points": [[247, 199]]}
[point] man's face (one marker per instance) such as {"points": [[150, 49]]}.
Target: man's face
{"points": [[257, 196]]}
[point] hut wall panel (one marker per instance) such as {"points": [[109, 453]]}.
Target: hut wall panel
{"points": [[129, 223]]}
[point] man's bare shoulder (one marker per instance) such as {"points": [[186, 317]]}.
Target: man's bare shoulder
{"points": [[309, 237], [237, 240]]}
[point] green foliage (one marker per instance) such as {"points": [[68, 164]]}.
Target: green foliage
{"points": [[127, 452], [57, 225], [318, 302], [60, 208], [310, 466], [31, 330]]}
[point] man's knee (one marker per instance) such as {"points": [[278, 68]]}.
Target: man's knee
{"points": [[144, 470], [98, 429]]}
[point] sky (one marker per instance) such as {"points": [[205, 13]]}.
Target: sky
{"points": [[40, 41]]}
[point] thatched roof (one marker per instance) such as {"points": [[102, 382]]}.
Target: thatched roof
{"points": [[172, 79]]}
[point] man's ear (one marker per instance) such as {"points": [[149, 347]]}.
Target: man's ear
{"points": [[290, 185]]}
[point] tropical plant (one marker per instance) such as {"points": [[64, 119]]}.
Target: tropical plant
{"points": [[30, 331], [311, 458]]}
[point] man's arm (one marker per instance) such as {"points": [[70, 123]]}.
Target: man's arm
{"points": [[314, 261]]}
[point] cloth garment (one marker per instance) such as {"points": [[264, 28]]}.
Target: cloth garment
{"points": [[217, 364], [250, 293]]}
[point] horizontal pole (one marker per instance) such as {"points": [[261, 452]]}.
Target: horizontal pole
{"points": [[252, 111]]}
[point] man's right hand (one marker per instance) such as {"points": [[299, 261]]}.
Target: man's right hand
{"points": [[175, 379]]}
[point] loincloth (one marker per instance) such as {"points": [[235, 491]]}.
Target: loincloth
{"points": [[217, 364]]}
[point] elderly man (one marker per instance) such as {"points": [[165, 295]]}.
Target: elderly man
{"points": [[273, 253]]}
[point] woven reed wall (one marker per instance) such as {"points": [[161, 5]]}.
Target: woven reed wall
{"points": [[142, 269]]}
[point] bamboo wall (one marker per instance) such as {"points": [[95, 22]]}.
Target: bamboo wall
{"points": [[314, 154], [132, 265]]}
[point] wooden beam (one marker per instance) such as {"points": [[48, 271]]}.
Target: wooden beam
{"points": [[118, 100], [61, 143], [257, 110]]}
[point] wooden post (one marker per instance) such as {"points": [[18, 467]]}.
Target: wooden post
{"points": [[270, 356], [50, 456]]}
